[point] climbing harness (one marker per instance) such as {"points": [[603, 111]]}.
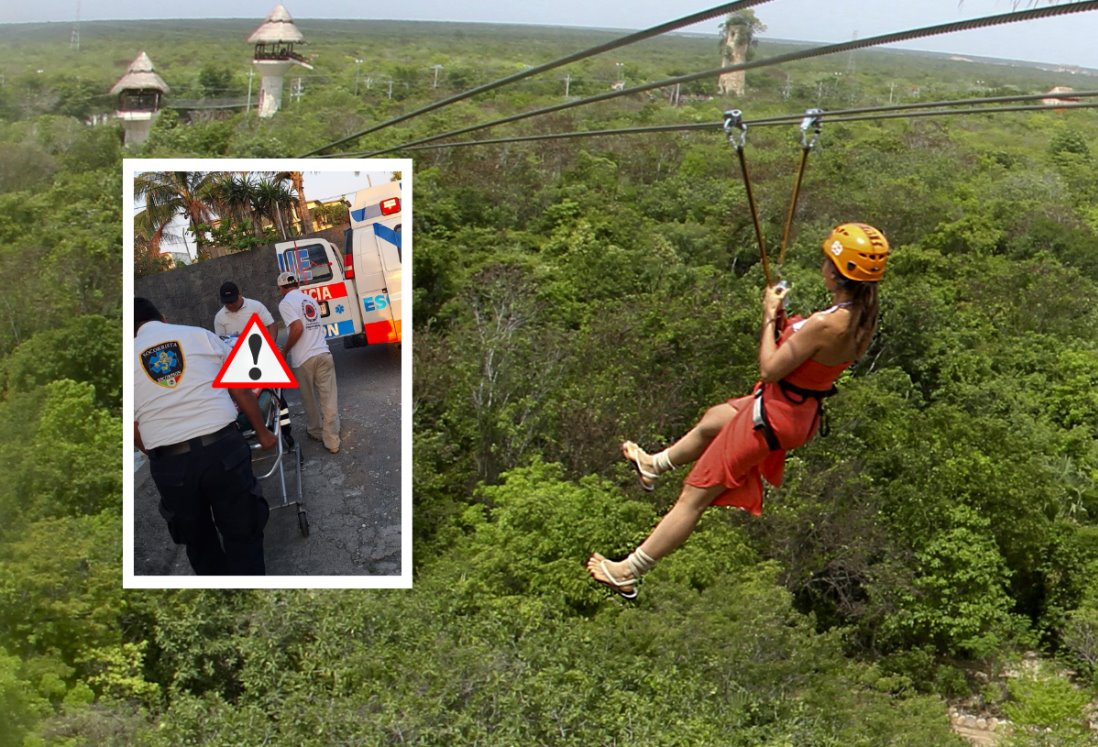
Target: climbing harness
{"points": [[791, 391], [797, 395]]}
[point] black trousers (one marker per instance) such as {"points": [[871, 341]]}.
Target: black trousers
{"points": [[213, 504]]}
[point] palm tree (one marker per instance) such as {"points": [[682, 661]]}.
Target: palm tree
{"points": [[169, 194], [148, 232], [303, 213], [737, 38], [271, 199], [234, 196]]}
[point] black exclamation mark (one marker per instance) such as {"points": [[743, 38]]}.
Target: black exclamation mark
{"points": [[255, 343]]}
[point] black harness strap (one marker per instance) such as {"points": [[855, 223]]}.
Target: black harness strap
{"points": [[762, 422]]}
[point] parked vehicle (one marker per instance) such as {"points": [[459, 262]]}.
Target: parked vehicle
{"points": [[359, 290]]}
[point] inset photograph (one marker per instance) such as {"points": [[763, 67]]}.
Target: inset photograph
{"points": [[269, 384]]}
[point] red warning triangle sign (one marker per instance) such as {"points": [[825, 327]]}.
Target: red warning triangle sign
{"points": [[255, 362]]}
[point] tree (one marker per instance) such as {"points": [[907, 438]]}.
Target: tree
{"points": [[271, 200], [20, 706], [215, 80], [235, 196], [168, 194], [83, 349], [297, 179], [737, 37]]}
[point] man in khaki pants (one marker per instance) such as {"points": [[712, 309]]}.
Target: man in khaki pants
{"points": [[311, 361]]}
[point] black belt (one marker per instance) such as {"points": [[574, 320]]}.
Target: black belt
{"points": [[198, 442]]}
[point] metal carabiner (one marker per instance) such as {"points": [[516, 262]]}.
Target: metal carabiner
{"points": [[813, 120], [733, 119]]}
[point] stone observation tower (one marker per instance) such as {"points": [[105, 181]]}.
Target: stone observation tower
{"points": [[274, 53], [139, 92]]}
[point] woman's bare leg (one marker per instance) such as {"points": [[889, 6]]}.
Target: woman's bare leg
{"points": [[669, 534], [688, 448]]}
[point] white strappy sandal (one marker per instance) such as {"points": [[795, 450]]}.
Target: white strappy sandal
{"points": [[609, 581], [647, 479]]}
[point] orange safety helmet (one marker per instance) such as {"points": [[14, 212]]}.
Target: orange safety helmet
{"points": [[858, 251]]}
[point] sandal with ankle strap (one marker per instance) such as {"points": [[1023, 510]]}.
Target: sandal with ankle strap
{"points": [[647, 479], [609, 581]]}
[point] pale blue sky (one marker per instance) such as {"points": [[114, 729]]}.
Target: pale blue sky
{"points": [[1068, 40]]}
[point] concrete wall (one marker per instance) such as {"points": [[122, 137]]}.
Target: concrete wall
{"points": [[188, 295]]}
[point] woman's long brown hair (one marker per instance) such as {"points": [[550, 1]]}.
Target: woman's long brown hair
{"points": [[864, 307]]}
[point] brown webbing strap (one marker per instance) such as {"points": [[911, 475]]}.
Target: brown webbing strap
{"points": [[811, 120], [733, 120]]}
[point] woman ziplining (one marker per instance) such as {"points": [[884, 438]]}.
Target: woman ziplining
{"points": [[738, 442]]}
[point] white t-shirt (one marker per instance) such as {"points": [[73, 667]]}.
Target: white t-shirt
{"points": [[173, 371], [228, 323], [298, 306]]}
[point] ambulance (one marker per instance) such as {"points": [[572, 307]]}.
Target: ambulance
{"points": [[358, 290]]}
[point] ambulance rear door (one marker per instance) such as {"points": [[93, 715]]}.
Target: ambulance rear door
{"points": [[320, 273], [378, 276], [376, 253]]}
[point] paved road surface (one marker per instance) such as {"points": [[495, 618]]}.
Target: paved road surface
{"points": [[352, 498]]}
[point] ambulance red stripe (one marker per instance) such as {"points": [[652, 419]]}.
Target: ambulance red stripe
{"points": [[327, 292]]}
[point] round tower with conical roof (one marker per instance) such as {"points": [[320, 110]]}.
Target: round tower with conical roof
{"points": [[274, 44], [139, 93]]}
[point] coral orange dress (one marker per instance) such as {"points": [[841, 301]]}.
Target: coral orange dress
{"points": [[739, 457]]}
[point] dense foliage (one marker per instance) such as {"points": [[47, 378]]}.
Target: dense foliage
{"points": [[569, 294]]}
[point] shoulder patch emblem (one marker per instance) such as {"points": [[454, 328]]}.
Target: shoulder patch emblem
{"points": [[164, 364], [309, 310]]}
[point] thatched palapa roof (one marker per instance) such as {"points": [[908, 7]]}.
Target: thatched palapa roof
{"points": [[279, 27], [140, 77]]}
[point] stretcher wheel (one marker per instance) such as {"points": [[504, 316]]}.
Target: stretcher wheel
{"points": [[303, 523]]}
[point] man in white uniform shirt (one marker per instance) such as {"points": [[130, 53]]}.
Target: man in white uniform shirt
{"points": [[198, 459], [236, 310], [311, 361]]}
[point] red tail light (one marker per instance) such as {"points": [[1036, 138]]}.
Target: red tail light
{"points": [[349, 266]]}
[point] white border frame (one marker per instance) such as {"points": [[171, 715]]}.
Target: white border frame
{"points": [[133, 166]]}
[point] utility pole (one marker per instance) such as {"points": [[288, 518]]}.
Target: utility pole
{"points": [[248, 106], [74, 39], [390, 89], [567, 84], [358, 65], [621, 76], [436, 68]]}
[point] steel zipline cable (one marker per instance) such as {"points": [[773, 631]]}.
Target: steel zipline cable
{"points": [[892, 38], [838, 116], [663, 28]]}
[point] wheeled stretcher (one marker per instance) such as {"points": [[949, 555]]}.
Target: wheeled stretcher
{"points": [[277, 419]]}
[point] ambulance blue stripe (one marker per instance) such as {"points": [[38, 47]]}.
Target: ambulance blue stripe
{"points": [[384, 232], [342, 328]]}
